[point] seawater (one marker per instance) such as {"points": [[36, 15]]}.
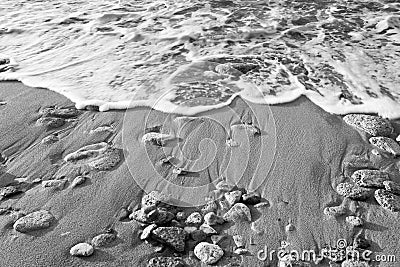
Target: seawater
{"points": [[191, 56]]}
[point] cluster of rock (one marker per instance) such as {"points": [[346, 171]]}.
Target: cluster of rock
{"points": [[166, 226], [56, 117]]}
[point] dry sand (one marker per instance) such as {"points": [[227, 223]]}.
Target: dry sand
{"points": [[295, 164]]}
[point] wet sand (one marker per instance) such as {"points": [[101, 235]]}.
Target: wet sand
{"points": [[295, 163]]}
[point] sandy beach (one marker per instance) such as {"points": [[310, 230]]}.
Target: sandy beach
{"points": [[295, 160]]}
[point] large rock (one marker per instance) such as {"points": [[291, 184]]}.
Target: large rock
{"points": [[208, 253], [172, 236], [239, 212], [82, 250], [373, 125], [166, 262], [370, 178], [353, 191], [386, 144], [34, 221], [388, 200]]}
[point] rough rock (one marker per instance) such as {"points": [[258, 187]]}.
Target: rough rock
{"points": [[354, 220], [155, 138], [386, 144], [335, 211], [181, 215], [166, 262], [9, 191], [212, 219], [373, 125], [353, 191], [210, 206], [37, 220], [392, 187], [82, 250], [102, 240], [207, 229], [65, 113], [157, 216], [54, 183], [208, 253], [233, 197], [252, 198], [223, 205], [224, 186], [172, 236], [239, 212], [354, 263], [147, 231], [388, 200], [50, 122], [153, 198], [370, 178], [78, 181], [198, 235], [190, 229], [194, 218]]}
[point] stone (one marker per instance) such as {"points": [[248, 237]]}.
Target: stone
{"points": [[139, 216], [166, 262], [36, 220], [223, 205], [65, 113], [159, 248], [354, 263], [239, 212], [82, 250], [194, 218], [392, 187], [353, 191], [252, 198], [370, 178], [160, 216], [78, 181], [50, 139], [210, 206], [241, 251], [213, 219], [239, 241], [224, 186], [233, 197], [102, 240], [261, 205], [105, 161], [387, 144], [388, 200], [50, 122], [373, 125], [354, 220], [207, 229], [154, 138], [190, 229], [208, 253], [335, 211], [171, 236], [9, 191], [54, 183], [147, 231], [153, 198], [217, 238], [181, 215], [198, 235]]}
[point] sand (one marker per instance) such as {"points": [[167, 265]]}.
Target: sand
{"points": [[295, 163]]}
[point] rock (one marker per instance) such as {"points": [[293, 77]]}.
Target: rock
{"points": [[159, 248], [106, 161], [50, 139], [224, 186], [50, 122], [223, 205], [190, 229], [354, 220], [335, 211], [239, 241], [392, 187], [64, 113], [207, 229], [176, 224], [172, 236], [194, 218], [239, 212], [354, 263], [208, 253], [198, 235], [260, 205], [217, 238], [78, 181], [353, 191], [139, 216], [211, 206], [370, 178], [386, 144], [233, 197], [160, 216], [9, 191], [102, 240], [373, 125], [153, 198], [158, 139], [37, 220], [388, 200], [54, 183], [147, 231], [82, 250], [241, 251], [166, 262], [212, 219], [252, 198], [180, 216]]}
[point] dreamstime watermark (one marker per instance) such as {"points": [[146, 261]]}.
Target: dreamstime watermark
{"points": [[199, 151], [340, 252]]}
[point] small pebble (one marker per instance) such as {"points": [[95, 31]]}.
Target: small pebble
{"points": [[207, 229]]}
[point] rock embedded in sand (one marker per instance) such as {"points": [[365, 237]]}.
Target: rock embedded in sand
{"points": [[102, 240], [239, 212], [172, 236], [50, 122], [353, 191], [82, 250], [387, 144], [159, 216], [153, 198], [373, 125], [78, 181], [388, 200], [208, 253], [9, 191], [392, 187], [233, 197], [194, 219], [252, 198], [166, 262], [370, 178], [213, 219], [335, 211], [354, 263], [354, 220], [37, 220]]}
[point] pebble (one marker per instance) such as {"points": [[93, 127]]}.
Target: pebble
{"points": [[239, 212], [373, 125], [241, 251], [252, 198], [353, 191], [239, 241], [207, 229], [172, 236], [208, 253], [354, 263], [102, 240], [260, 205], [82, 250], [335, 211], [54, 183], [388, 200], [223, 205], [50, 122], [194, 218], [159, 216], [392, 187], [386, 144], [37, 220], [181, 215], [8, 191], [224, 186], [147, 231], [78, 181], [153, 198], [213, 219], [106, 161], [158, 139], [370, 178], [354, 220], [166, 262], [233, 197]]}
